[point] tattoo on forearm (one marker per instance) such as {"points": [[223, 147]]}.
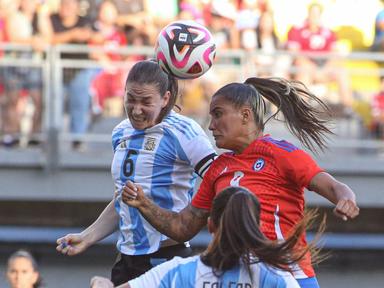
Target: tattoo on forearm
{"points": [[159, 218], [178, 226]]}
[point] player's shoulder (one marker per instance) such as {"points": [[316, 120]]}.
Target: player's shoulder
{"points": [[276, 277], [222, 163], [181, 260], [279, 145], [182, 125], [124, 124], [178, 262], [121, 131], [174, 116]]}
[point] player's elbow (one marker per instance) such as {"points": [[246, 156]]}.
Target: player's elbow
{"points": [[181, 239], [183, 236]]}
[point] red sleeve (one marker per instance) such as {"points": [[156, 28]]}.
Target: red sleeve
{"points": [[204, 196], [298, 167]]}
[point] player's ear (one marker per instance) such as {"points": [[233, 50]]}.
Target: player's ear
{"points": [[246, 114], [166, 97]]}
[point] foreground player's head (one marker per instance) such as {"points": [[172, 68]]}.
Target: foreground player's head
{"points": [[238, 112], [150, 94], [22, 270], [235, 223]]}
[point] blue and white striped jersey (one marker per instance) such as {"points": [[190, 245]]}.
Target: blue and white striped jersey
{"points": [[164, 160], [191, 272]]}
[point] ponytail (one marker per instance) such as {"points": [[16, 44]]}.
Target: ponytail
{"points": [[173, 88], [303, 111]]}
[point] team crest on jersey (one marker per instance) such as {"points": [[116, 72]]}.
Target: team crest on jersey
{"points": [[150, 144], [259, 164]]}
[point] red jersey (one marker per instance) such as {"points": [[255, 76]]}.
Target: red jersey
{"points": [[277, 173], [303, 39], [112, 40]]}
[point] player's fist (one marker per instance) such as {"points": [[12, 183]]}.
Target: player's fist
{"points": [[346, 209], [133, 194], [71, 244]]}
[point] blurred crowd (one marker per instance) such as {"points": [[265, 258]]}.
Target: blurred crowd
{"points": [[249, 25]]}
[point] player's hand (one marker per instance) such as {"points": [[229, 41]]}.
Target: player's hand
{"points": [[133, 195], [71, 244], [346, 209], [100, 282]]}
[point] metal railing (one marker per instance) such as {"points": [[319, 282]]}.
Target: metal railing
{"points": [[232, 64]]}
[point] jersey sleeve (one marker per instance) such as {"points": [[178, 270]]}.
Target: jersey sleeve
{"points": [[117, 134], [298, 167], [156, 276], [199, 149], [204, 196]]}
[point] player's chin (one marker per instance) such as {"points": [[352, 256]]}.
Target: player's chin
{"points": [[140, 125], [220, 144]]}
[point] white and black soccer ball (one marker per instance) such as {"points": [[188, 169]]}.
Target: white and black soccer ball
{"points": [[185, 49]]}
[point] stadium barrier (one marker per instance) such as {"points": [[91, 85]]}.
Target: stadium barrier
{"points": [[91, 169], [364, 69]]}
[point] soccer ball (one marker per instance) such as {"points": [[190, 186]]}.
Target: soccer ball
{"points": [[185, 49]]}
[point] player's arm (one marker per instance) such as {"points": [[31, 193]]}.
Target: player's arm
{"points": [[202, 166], [336, 192], [105, 224], [180, 226]]}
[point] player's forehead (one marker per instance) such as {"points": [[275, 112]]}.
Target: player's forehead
{"points": [[220, 103], [140, 90], [21, 263]]}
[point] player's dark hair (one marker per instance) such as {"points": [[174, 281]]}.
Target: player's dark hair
{"points": [[149, 72], [304, 113], [27, 255], [236, 216]]}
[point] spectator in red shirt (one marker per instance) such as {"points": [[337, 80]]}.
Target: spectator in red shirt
{"points": [[110, 81], [318, 41], [276, 171]]}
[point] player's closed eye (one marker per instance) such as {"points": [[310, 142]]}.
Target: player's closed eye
{"points": [[217, 114]]}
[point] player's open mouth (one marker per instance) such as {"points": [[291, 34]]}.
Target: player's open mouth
{"points": [[138, 120]]}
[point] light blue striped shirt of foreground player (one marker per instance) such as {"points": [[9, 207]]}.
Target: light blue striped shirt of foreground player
{"points": [[164, 160], [191, 272]]}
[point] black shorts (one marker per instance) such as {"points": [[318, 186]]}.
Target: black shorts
{"points": [[128, 267]]}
